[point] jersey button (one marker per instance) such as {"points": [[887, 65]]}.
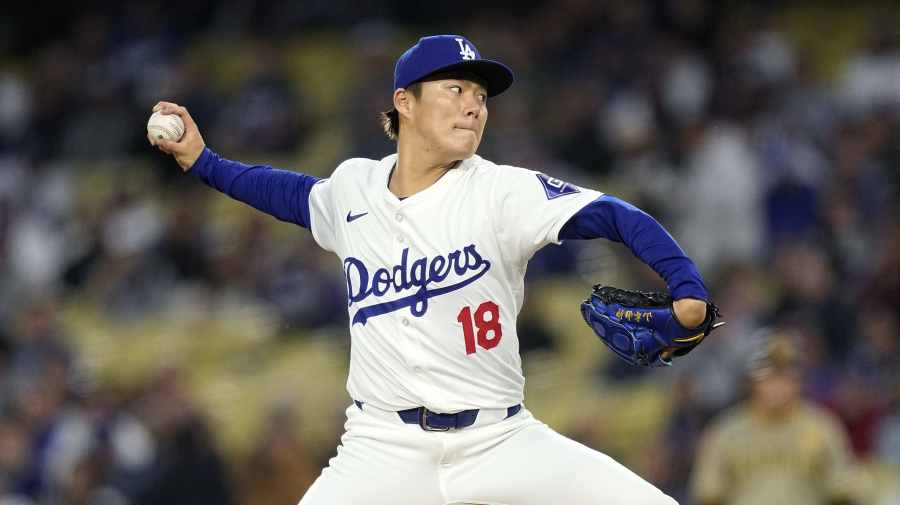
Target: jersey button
{"points": [[404, 322], [400, 238], [417, 369], [398, 218]]}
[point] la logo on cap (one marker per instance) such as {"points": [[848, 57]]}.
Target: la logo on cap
{"points": [[465, 50]]}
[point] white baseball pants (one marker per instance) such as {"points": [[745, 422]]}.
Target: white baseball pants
{"points": [[496, 461]]}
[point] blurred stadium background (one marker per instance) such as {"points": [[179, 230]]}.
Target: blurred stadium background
{"points": [[160, 343]]}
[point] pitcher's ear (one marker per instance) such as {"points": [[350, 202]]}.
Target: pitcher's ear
{"points": [[402, 100]]}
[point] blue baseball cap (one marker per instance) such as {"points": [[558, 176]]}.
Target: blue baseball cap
{"points": [[449, 52]]}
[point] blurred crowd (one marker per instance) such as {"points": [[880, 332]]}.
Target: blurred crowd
{"points": [[777, 175]]}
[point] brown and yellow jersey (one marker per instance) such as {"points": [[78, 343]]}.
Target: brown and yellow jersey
{"points": [[801, 458]]}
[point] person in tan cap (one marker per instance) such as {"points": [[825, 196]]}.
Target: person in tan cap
{"points": [[775, 447]]}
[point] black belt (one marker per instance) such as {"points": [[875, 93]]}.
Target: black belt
{"points": [[433, 421]]}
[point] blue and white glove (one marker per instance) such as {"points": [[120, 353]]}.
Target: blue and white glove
{"points": [[639, 326]]}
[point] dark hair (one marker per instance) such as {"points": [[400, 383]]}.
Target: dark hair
{"points": [[390, 120]]}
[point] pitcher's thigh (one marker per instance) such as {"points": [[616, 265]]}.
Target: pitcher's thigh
{"points": [[377, 466], [538, 466]]}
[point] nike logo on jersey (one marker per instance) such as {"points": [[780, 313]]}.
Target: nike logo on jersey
{"points": [[351, 217], [406, 277]]}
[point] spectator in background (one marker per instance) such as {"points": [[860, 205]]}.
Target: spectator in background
{"points": [[871, 79], [127, 275], [882, 274], [306, 292], [810, 290], [279, 469], [269, 110], [719, 195], [39, 341], [863, 395], [188, 469], [185, 242], [876, 351], [775, 448]]}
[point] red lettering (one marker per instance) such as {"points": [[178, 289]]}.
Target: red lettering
{"points": [[465, 318], [487, 321]]}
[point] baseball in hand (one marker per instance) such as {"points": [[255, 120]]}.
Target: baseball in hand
{"points": [[164, 126]]}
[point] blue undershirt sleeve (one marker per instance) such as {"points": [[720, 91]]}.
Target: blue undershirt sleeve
{"points": [[610, 218], [279, 193]]}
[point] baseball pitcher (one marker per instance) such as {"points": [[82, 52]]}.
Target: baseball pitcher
{"points": [[434, 242]]}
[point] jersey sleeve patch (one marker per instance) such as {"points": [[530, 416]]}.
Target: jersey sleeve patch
{"points": [[555, 188]]}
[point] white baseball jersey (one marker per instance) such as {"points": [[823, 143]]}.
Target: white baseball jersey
{"points": [[434, 285], [435, 281]]}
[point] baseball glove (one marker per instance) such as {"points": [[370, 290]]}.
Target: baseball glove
{"points": [[639, 326]]}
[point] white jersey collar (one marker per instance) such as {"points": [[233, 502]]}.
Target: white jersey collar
{"points": [[436, 190]]}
